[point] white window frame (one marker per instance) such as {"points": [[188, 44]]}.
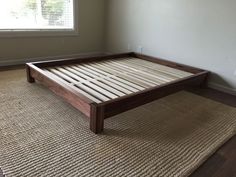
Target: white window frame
{"points": [[46, 32]]}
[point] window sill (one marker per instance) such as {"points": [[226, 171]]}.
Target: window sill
{"points": [[37, 33]]}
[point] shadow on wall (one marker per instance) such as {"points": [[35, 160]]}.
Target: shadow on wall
{"points": [[217, 80]]}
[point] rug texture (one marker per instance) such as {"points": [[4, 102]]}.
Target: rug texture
{"points": [[43, 136]]}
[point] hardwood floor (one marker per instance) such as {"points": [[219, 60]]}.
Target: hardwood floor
{"points": [[223, 162]]}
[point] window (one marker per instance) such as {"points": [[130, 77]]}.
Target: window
{"points": [[25, 16]]}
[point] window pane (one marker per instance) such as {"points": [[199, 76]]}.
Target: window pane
{"points": [[36, 14]]}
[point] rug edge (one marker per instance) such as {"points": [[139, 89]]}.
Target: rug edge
{"points": [[190, 172]]}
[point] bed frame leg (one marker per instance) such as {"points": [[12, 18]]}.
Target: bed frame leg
{"points": [[96, 119], [30, 79]]}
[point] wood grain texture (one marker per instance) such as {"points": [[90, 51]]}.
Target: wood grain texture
{"points": [[30, 79], [96, 118]]}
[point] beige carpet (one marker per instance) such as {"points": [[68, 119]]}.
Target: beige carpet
{"points": [[41, 135]]}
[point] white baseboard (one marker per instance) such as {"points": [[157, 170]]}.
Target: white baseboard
{"points": [[222, 88], [11, 62]]}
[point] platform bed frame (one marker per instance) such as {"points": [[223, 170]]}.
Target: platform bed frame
{"points": [[117, 82]]}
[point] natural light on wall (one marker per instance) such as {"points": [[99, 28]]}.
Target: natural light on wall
{"points": [[36, 15]]}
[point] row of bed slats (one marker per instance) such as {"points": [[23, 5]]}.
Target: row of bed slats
{"points": [[110, 79]]}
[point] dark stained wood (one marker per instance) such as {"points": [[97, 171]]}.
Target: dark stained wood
{"points": [[210, 167], [220, 164], [228, 169], [128, 102], [97, 112], [70, 95], [77, 60], [204, 83], [168, 63], [30, 79], [96, 118]]}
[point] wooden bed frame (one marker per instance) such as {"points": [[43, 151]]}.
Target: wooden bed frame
{"points": [[103, 86]]}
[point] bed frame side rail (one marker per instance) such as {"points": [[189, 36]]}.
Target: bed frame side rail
{"points": [[168, 63], [77, 60], [119, 105], [76, 99]]}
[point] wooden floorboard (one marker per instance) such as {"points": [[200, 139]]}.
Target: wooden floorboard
{"points": [[223, 162]]}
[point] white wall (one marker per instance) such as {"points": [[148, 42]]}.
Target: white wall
{"points": [[90, 38], [199, 33]]}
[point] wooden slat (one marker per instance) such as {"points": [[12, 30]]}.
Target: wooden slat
{"points": [[132, 77], [166, 68], [93, 92], [63, 76], [111, 83], [136, 73], [86, 82], [107, 80], [89, 73], [152, 68], [97, 82], [159, 75], [102, 88], [76, 88], [139, 70], [159, 72], [130, 85], [78, 84], [119, 80], [124, 76], [107, 87], [79, 73], [71, 75], [125, 81]]}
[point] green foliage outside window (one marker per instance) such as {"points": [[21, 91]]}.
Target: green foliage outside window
{"points": [[51, 10]]}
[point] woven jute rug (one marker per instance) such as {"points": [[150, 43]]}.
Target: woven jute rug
{"points": [[43, 136]]}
